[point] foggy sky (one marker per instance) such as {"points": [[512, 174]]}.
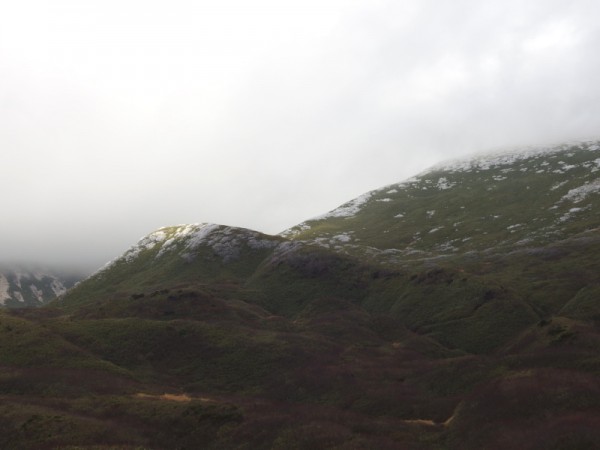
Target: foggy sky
{"points": [[118, 117]]}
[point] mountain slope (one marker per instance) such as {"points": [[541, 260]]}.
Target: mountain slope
{"points": [[528, 197], [205, 253], [25, 286], [493, 244], [457, 310]]}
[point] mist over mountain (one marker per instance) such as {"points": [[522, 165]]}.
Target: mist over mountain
{"points": [[30, 285], [445, 310], [523, 197], [457, 309], [267, 225], [262, 116]]}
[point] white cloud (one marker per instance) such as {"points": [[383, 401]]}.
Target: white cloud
{"points": [[119, 117]]}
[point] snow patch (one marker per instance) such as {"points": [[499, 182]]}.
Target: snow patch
{"points": [[348, 209], [37, 293], [444, 184], [57, 287], [226, 242], [17, 279], [557, 185], [513, 228], [568, 166], [295, 231], [146, 243], [4, 287], [504, 158], [578, 194], [200, 235], [568, 215], [341, 238]]}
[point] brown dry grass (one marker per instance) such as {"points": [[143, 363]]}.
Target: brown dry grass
{"points": [[181, 398]]}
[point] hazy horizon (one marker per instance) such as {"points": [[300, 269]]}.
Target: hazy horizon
{"points": [[122, 117]]}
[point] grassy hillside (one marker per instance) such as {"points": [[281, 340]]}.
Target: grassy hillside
{"points": [[526, 198], [458, 310]]}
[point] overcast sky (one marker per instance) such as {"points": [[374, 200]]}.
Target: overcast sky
{"points": [[121, 116]]}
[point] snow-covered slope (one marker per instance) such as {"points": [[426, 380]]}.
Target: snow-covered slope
{"points": [[470, 253], [22, 286], [500, 202], [192, 253], [522, 197], [185, 242]]}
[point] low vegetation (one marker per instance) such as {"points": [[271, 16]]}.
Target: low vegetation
{"points": [[373, 340]]}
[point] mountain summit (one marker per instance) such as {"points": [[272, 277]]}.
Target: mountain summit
{"points": [[503, 200]]}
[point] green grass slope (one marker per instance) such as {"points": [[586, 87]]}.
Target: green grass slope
{"points": [[208, 254], [456, 310], [500, 201]]}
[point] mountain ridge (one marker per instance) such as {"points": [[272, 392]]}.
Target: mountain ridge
{"points": [[363, 329], [24, 285], [349, 209], [453, 188], [367, 236]]}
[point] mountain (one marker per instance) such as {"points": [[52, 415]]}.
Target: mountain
{"points": [[455, 310], [499, 201], [520, 227], [200, 252], [22, 286]]}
